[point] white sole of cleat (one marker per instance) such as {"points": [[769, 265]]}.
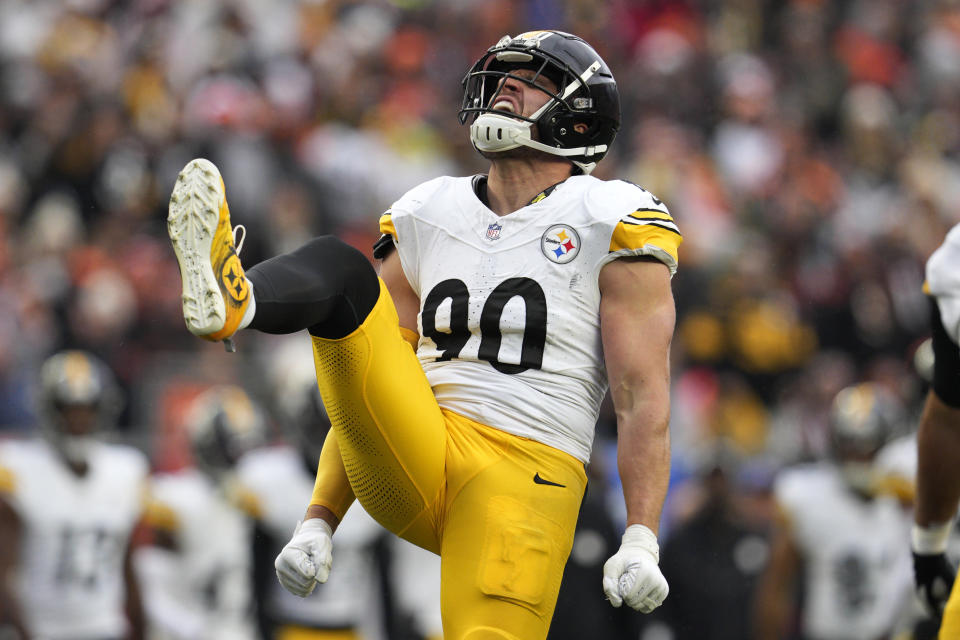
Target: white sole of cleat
{"points": [[192, 220]]}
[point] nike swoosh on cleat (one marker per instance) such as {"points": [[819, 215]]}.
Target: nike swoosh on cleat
{"points": [[539, 480]]}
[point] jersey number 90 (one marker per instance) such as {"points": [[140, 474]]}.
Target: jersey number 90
{"points": [[452, 342]]}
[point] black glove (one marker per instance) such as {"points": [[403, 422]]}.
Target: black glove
{"points": [[933, 578]]}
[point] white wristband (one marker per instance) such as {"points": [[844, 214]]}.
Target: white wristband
{"points": [[931, 539], [315, 524]]}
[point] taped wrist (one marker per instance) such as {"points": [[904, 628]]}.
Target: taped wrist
{"points": [[639, 536], [932, 539], [315, 525]]}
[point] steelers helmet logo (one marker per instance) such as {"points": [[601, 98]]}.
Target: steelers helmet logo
{"points": [[560, 243], [232, 279]]}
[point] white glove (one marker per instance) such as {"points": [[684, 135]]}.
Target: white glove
{"points": [[306, 559], [631, 575]]}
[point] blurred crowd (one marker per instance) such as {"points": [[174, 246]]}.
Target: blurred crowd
{"points": [[807, 149]]}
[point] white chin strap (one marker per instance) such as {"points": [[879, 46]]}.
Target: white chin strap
{"points": [[492, 132]]}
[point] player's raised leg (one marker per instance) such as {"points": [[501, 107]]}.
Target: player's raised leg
{"points": [[216, 293], [390, 430]]}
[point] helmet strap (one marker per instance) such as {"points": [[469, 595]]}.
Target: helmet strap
{"points": [[495, 132]]}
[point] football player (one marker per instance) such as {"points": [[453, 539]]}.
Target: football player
{"points": [[840, 530], [197, 576], [524, 292], [68, 506], [938, 444]]}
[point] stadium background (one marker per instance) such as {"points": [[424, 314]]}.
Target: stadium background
{"points": [[807, 149]]}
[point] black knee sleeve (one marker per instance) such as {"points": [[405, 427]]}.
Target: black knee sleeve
{"points": [[326, 286]]}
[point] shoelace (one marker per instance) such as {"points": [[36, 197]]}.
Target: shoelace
{"points": [[243, 236]]}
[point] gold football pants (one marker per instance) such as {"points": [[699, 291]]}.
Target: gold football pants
{"points": [[950, 627], [448, 484]]}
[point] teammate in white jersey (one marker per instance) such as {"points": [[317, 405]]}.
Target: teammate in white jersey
{"points": [[524, 293], [841, 533], [279, 479], [938, 444], [197, 577], [68, 506]]}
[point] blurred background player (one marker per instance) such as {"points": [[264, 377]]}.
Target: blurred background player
{"points": [[197, 576], [279, 481], [69, 504], [938, 444], [840, 533]]}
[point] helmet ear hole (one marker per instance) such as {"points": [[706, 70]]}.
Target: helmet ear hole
{"points": [[577, 129]]}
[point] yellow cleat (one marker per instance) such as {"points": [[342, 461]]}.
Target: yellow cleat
{"points": [[216, 292]]}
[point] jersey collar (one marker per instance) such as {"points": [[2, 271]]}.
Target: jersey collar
{"points": [[479, 184]]}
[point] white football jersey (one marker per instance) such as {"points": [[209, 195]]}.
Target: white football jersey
{"points": [[281, 485], [509, 305], [75, 535], [857, 559], [212, 581], [943, 282]]}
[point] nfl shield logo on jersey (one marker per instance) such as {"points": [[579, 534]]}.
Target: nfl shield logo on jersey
{"points": [[493, 231]]}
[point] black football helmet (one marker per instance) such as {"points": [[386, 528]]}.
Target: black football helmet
{"points": [[587, 94]]}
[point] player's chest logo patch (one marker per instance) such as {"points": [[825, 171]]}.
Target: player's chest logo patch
{"points": [[560, 243], [493, 231]]}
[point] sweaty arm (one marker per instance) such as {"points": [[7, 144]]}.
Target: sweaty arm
{"points": [[10, 534], [637, 317], [938, 473], [938, 436]]}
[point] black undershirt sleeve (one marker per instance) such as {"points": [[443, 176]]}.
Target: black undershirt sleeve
{"points": [[946, 363], [383, 247]]}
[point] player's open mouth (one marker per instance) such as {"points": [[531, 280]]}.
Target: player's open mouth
{"points": [[504, 105]]}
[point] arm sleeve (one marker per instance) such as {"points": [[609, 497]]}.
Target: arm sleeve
{"points": [[383, 246], [643, 226], [946, 363]]}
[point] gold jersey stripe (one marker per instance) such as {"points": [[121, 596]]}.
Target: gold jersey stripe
{"points": [[161, 516], [926, 287], [628, 236], [386, 225], [647, 214], [8, 481], [898, 486], [245, 500]]}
